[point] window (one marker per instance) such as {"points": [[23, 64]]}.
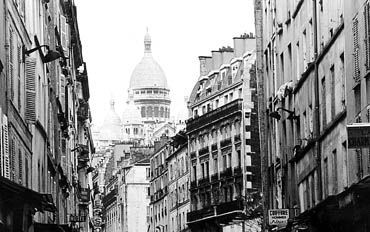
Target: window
{"points": [[143, 111], [194, 172], [156, 111], [215, 165], [207, 169], [240, 93], [224, 162], [356, 51], [360, 170], [335, 171], [343, 81], [357, 92], [216, 103], [226, 99], [323, 100], [229, 160], [149, 111], [203, 171], [239, 159], [231, 96], [326, 177], [332, 90], [367, 34]]}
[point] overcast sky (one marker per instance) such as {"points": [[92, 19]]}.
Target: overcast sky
{"points": [[112, 34]]}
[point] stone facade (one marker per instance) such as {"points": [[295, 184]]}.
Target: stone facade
{"points": [[223, 138], [46, 142], [315, 69]]}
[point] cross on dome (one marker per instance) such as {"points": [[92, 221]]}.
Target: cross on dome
{"points": [[147, 42]]}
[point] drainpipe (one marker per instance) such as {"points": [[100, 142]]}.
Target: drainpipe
{"points": [[317, 103]]}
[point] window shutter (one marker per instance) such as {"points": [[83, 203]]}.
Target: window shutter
{"points": [[6, 148], [62, 91], [18, 62], [30, 65], [10, 64], [367, 34], [20, 167], [63, 33], [356, 61], [2, 164], [12, 159]]}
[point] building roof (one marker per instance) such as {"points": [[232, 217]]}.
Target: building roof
{"points": [[148, 73]]}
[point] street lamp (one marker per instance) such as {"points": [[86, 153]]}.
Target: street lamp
{"points": [[276, 114], [51, 55]]}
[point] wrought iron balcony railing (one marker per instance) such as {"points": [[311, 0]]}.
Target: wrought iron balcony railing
{"points": [[214, 115]]}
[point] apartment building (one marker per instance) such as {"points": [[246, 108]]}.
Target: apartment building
{"points": [[178, 183], [223, 139], [313, 60], [158, 206]]}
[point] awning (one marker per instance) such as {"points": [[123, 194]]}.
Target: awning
{"points": [[19, 194], [40, 227]]}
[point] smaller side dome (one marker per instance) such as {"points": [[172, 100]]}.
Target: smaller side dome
{"points": [[111, 128]]}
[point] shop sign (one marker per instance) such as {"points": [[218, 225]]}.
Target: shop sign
{"points": [[278, 217], [358, 135], [77, 218]]}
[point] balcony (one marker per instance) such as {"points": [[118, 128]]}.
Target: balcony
{"points": [[220, 113], [237, 170], [226, 142], [199, 214], [226, 173], [83, 111], [193, 155], [221, 209], [193, 184], [214, 177], [214, 147], [203, 181], [203, 151], [229, 206], [237, 138]]}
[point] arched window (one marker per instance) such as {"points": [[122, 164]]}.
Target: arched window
{"points": [[156, 111], [161, 113], [143, 111], [149, 111]]}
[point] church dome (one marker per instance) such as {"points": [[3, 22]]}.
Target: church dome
{"points": [[148, 73], [111, 128], [131, 114]]}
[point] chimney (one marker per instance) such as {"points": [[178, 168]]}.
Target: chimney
{"points": [[205, 63], [216, 59], [227, 56], [250, 43], [238, 46]]}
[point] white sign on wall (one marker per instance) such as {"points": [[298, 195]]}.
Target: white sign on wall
{"points": [[278, 217]]}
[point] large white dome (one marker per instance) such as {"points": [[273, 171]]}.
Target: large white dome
{"points": [[148, 73]]}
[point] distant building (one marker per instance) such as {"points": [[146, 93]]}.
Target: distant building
{"points": [[159, 212], [224, 139], [178, 183]]}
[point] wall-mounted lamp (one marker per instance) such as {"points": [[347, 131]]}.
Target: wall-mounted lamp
{"points": [[276, 114], [51, 55]]}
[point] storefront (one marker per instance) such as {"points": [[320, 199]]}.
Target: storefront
{"points": [[18, 204]]}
